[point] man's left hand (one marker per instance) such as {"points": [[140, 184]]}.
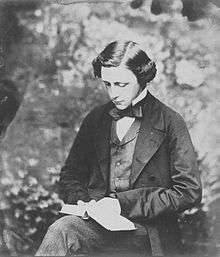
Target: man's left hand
{"points": [[108, 205]]}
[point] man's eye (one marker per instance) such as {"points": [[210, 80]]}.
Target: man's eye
{"points": [[120, 84], [107, 84]]}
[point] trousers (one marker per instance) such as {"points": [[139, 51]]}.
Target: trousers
{"points": [[71, 235]]}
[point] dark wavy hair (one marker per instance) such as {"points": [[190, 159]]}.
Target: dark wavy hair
{"points": [[129, 54]]}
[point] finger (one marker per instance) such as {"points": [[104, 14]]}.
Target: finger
{"points": [[92, 201], [80, 202]]}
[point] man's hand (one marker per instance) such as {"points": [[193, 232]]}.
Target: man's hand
{"points": [[84, 206], [108, 205]]}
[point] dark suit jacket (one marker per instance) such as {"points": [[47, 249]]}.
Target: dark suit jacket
{"points": [[164, 179]]}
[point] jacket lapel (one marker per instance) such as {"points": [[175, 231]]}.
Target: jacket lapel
{"points": [[102, 142], [150, 136]]}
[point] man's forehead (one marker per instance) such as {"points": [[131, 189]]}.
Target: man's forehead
{"points": [[117, 74]]}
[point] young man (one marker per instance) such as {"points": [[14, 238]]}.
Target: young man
{"points": [[135, 154]]}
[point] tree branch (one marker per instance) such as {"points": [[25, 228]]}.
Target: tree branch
{"points": [[67, 2]]}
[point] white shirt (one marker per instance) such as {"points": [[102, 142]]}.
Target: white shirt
{"points": [[123, 125]]}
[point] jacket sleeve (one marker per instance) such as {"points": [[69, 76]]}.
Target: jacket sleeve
{"points": [[185, 189], [74, 174]]}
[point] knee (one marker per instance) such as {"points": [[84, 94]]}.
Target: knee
{"points": [[65, 223]]}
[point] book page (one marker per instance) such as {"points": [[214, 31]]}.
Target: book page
{"points": [[73, 209], [111, 220]]}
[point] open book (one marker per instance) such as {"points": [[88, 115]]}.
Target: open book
{"points": [[111, 220]]}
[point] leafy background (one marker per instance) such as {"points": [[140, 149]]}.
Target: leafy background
{"points": [[46, 49]]}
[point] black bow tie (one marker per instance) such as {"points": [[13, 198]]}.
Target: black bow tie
{"points": [[131, 111]]}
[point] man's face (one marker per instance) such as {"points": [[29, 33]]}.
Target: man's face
{"points": [[121, 85]]}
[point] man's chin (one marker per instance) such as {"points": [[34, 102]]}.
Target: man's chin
{"points": [[121, 107]]}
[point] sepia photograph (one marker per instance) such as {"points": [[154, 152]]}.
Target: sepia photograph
{"points": [[109, 128]]}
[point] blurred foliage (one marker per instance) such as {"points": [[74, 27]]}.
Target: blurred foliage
{"points": [[50, 63], [33, 208]]}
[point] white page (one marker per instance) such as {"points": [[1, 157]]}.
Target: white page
{"points": [[73, 209], [111, 220]]}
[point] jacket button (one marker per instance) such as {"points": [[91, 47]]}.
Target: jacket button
{"points": [[152, 178]]}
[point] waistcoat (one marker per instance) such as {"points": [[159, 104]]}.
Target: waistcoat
{"points": [[121, 156]]}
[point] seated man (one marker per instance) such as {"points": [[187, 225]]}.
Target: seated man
{"points": [[134, 153]]}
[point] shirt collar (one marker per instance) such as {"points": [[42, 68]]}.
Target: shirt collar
{"points": [[141, 96]]}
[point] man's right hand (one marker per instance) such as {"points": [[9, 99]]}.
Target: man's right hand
{"points": [[85, 205]]}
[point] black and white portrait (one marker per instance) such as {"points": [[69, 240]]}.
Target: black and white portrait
{"points": [[109, 128]]}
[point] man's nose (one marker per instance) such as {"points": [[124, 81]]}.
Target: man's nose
{"points": [[114, 94]]}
